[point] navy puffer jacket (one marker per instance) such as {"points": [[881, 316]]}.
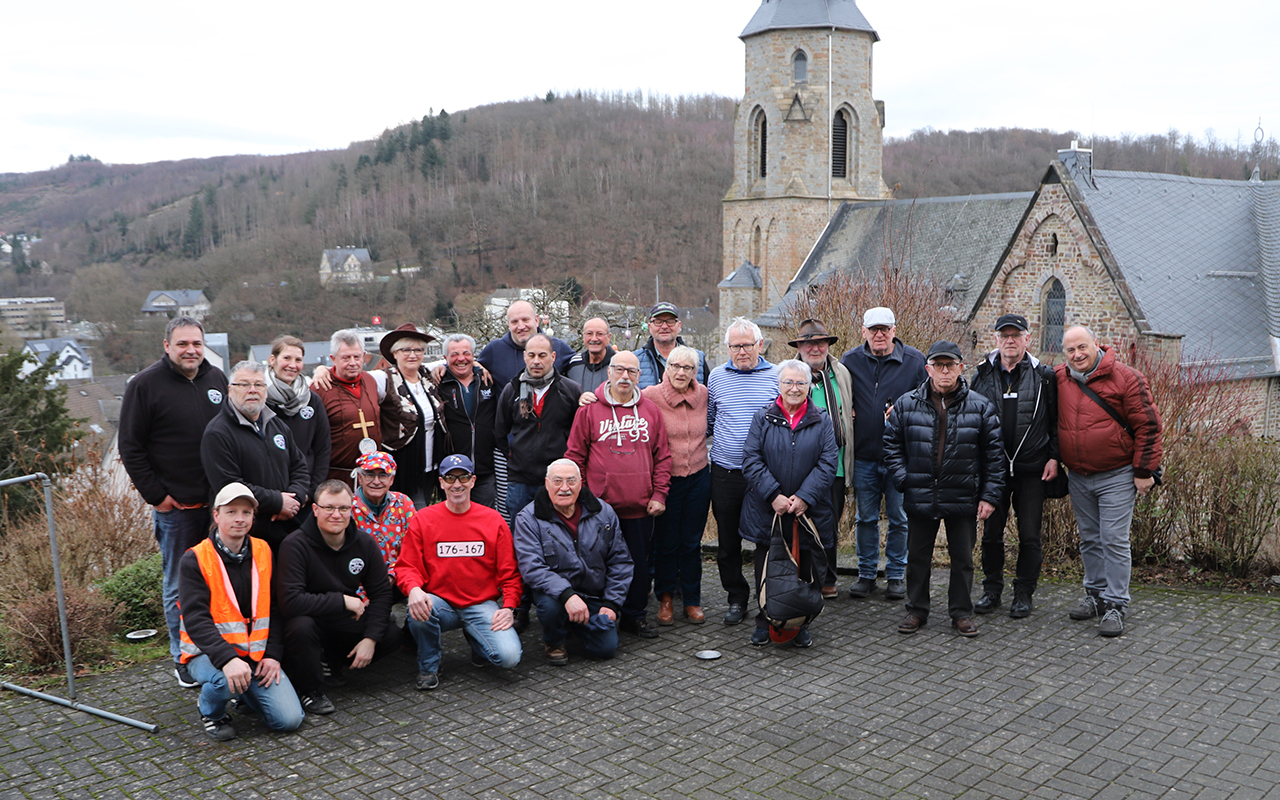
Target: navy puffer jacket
{"points": [[972, 468], [777, 460]]}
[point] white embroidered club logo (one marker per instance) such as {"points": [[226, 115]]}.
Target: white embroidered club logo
{"points": [[307, 412], [215, 396], [356, 566], [279, 440]]}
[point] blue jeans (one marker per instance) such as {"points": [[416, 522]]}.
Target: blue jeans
{"points": [[176, 532], [520, 495], [870, 482], [499, 647], [677, 538], [277, 704], [599, 644]]}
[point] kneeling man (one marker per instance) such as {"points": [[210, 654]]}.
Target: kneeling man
{"points": [[576, 563], [458, 568], [228, 643], [336, 595]]}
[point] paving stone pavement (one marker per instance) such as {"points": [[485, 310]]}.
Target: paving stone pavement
{"points": [[1185, 705]]}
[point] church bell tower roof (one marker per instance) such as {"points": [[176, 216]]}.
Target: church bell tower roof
{"points": [[780, 14]]}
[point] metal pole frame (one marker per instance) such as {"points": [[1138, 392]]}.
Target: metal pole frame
{"points": [[62, 619]]}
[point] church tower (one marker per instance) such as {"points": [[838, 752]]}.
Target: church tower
{"points": [[807, 135]]}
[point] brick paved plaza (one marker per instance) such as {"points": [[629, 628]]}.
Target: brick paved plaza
{"points": [[1185, 704]]}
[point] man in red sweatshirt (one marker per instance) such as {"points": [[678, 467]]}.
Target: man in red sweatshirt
{"points": [[620, 444], [457, 567]]}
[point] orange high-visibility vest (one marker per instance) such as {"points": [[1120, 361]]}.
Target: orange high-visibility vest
{"points": [[248, 635]]}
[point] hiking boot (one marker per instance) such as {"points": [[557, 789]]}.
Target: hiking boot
{"points": [[315, 702], [988, 603], [1021, 606], [1112, 623], [186, 681], [1089, 607], [219, 730], [426, 681], [862, 588], [556, 654]]}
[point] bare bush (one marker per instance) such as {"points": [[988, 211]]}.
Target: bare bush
{"points": [[33, 633]]}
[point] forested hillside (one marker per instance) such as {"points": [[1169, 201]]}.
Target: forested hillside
{"points": [[606, 189]]}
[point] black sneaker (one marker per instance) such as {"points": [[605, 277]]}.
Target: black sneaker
{"points": [[639, 627], [803, 639], [219, 730], [332, 675], [988, 603], [185, 680], [426, 681], [315, 702], [759, 637], [1112, 623], [895, 589]]}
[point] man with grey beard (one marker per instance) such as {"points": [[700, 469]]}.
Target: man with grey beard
{"points": [[248, 443]]}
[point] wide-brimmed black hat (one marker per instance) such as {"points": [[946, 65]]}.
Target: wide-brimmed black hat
{"points": [[405, 331], [812, 330]]}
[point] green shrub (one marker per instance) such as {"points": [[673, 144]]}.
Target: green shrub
{"points": [[138, 588]]}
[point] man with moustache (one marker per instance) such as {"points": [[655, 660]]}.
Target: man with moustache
{"points": [[589, 368], [248, 443], [470, 412], [162, 420], [458, 569], [620, 444], [664, 336]]}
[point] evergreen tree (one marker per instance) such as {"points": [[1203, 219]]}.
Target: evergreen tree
{"points": [[193, 236], [36, 433]]}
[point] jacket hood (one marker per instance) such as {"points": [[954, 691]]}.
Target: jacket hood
{"points": [[543, 510], [760, 366]]}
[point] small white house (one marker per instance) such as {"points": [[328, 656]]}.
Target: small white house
{"points": [[345, 266], [172, 303], [71, 362]]}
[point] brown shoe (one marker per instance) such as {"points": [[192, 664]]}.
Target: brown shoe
{"points": [[965, 627], [666, 615], [694, 615], [556, 654], [911, 623], [829, 593]]}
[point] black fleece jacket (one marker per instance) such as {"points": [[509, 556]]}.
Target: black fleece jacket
{"points": [[314, 577]]}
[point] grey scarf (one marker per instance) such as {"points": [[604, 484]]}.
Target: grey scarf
{"points": [[286, 398], [527, 384]]}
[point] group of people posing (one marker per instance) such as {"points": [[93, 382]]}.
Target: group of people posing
{"points": [[300, 533]]}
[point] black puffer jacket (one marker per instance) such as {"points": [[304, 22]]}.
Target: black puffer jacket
{"points": [[1035, 434], [972, 458], [777, 460]]}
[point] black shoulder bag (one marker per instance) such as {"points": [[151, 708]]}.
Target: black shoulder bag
{"points": [[1158, 475]]}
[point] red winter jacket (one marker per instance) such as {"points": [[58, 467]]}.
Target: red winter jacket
{"points": [[1089, 440], [622, 452]]}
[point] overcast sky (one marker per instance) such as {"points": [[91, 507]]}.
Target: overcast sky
{"points": [[136, 81]]}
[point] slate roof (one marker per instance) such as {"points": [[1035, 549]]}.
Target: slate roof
{"points": [[958, 241], [1200, 256], [183, 297], [338, 255], [777, 14], [43, 348], [746, 276]]}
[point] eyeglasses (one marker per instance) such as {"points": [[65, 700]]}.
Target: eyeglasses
{"points": [[342, 510], [739, 348], [795, 384], [376, 476], [663, 323], [1014, 335], [946, 366], [681, 367], [413, 351], [451, 478], [242, 385], [563, 481], [632, 371]]}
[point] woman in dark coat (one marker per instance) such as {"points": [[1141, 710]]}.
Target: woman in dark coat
{"points": [[789, 462], [301, 409]]}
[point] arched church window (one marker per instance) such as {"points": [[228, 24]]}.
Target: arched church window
{"points": [[760, 133], [757, 246], [840, 145], [800, 67], [1055, 316]]}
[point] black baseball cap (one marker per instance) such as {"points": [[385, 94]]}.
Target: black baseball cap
{"points": [[1012, 321], [944, 349]]}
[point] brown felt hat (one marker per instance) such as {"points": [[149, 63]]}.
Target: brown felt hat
{"points": [[813, 330], [405, 331]]}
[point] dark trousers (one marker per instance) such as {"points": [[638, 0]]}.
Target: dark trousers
{"points": [[728, 488], [837, 511], [638, 534], [307, 640], [677, 538], [1026, 496], [762, 555], [921, 534]]}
